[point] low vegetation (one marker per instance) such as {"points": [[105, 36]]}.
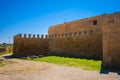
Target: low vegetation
{"points": [[3, 53], [4, 62], [73, 62], [5, 48]]}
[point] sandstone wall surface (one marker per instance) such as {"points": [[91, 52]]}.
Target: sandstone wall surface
{"points": [[24, 46], [87, 24], [85, 45], [111, 40]]}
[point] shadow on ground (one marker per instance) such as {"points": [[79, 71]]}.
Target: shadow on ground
{"points": [[106, 70], [8, 57]]}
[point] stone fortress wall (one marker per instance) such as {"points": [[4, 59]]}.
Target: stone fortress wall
{"points": [[111, 39], [95, 37], [31, 45], [80, 44]]}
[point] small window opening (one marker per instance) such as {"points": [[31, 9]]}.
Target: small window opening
{"points": [[94, 22]]}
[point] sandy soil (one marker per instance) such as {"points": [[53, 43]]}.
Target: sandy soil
{"points": [[30, 70]]}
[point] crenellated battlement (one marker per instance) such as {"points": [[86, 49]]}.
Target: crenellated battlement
{"points": [[41, 36], [29, 36]]}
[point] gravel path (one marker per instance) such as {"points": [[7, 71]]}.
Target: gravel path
{"points": [[30, 70]]}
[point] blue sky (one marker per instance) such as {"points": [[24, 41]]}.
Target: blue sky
{"points": [[35, 16]]}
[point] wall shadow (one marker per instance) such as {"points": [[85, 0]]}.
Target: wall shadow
{"points": [[75, 56], [106, 70], [8, 56]]}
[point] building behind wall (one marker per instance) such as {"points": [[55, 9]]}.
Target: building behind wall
{"points": [[87, 24]]}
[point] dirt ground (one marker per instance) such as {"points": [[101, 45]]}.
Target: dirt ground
{"points": [[31, 70]]}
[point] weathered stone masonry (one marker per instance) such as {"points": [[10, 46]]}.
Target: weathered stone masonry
{"points": [[27, 46], [94, 37], [111, 39], [87, 44]]}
